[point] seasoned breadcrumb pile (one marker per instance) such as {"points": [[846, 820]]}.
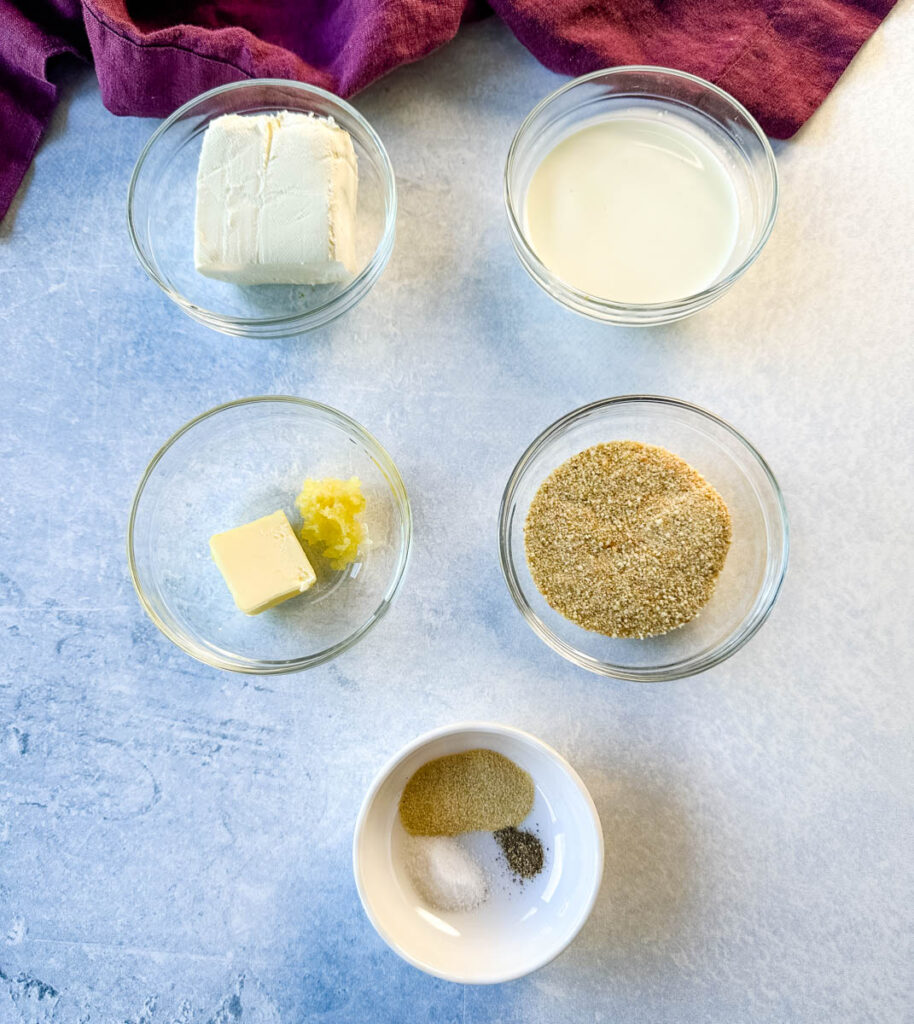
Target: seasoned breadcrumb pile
{"points": [[626, 539]]}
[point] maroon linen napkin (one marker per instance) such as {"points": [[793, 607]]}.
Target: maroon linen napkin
{"points": [[780, 57], [29, 42]]}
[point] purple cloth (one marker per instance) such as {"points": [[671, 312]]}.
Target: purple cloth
{"points": [[28, 45], [780, 57]]}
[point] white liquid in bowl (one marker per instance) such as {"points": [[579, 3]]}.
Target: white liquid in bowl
{"points": [[633, 210]]}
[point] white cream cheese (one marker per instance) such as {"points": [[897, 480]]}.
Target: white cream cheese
{"points": [[276, 199]]}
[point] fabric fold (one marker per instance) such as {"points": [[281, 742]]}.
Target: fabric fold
{"points": [[29, 44]]}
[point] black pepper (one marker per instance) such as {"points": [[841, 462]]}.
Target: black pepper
{"points": [[523, 851]]}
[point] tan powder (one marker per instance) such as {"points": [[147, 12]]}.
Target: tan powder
{"points": [[478, 790], [626, 539]]}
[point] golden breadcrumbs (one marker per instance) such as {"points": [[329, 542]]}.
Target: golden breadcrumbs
{"points": [[626, 539]]}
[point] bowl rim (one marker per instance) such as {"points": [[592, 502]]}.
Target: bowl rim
{"points": [[595, 306], [541, 747], [670, 671], [256, 666], [289, 323]]}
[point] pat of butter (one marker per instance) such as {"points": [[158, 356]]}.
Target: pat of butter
{"points": [[276, 199], [262, 562]]}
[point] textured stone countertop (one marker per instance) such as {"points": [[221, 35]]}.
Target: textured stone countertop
{"points": [[175, 841]]}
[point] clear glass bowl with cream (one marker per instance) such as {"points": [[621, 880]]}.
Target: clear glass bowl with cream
{"points": [[164, 194], [639, 195]]}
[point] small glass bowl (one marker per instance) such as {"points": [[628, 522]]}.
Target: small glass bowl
{"points": [[232, 465], [678, 98], [162, 197], [756, 563]]}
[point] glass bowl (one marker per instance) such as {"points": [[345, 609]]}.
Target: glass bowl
{"points": [[230, 466], [649, 93], [756, 563], [162, 197]]}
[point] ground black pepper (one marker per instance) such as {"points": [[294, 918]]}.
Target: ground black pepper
{"points": [[523, 851]]}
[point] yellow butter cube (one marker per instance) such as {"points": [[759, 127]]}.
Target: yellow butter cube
{"points": [[262, 562]]}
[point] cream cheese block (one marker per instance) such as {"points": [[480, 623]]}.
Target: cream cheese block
{"points": [[262, 562], [276, 200]]}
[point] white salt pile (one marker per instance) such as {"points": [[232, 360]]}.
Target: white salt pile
{"points": [[445, 875]]}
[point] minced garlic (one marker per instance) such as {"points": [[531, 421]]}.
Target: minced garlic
{"points": [[330, 509]]}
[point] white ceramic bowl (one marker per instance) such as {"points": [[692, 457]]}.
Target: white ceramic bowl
{"points": [[520, 927]]}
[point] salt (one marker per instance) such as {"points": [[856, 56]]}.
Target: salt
{"points": [[445, 875]]}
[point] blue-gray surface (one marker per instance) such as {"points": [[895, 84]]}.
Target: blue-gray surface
{"points": [[175, 842]]}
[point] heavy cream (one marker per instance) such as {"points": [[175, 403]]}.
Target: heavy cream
{"points": [[634, 210]]}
